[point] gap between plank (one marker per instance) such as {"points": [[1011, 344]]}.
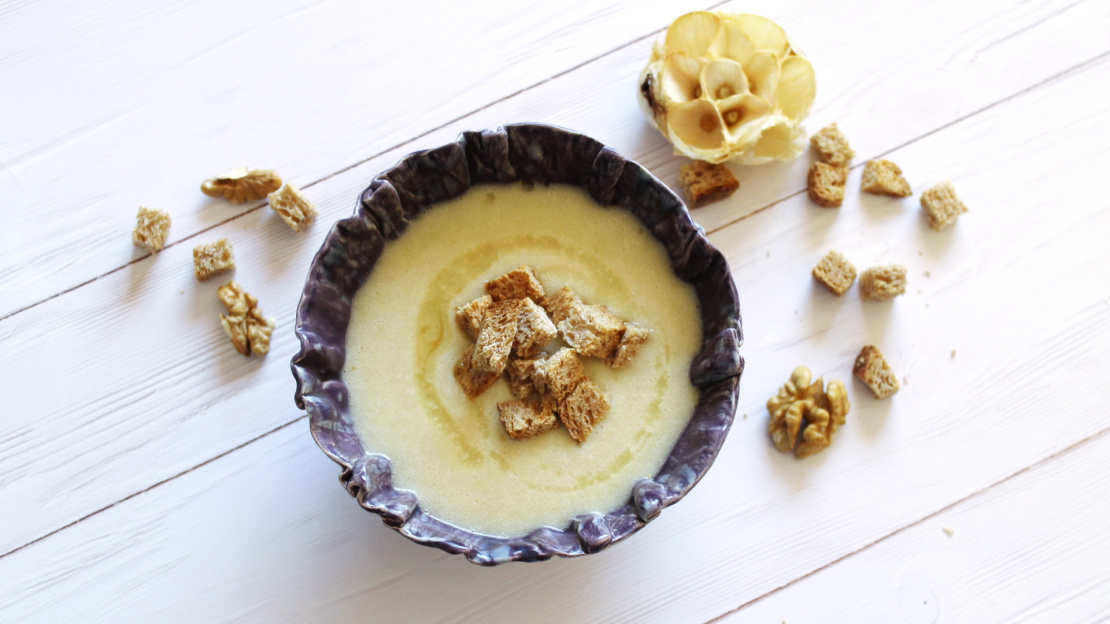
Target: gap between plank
{"points": [[1034, 466], [354, 165], [1048, 80]]}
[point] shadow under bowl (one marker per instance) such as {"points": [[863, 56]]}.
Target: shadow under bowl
{"points": [[534, 154]]}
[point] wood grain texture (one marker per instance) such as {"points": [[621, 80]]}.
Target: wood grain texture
{"points": [[126, 104], [271, 512], [1003, 562]]}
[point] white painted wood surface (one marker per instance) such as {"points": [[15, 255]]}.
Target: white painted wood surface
{"points": [[149, 472]]}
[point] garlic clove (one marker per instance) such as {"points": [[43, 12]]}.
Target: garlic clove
{"points": [[723, 78], [764, 34], [696, 129], [781, 140], [744, 116], [762, 69], [681, 79], [797, 88], [732, 43], [693, 33]]}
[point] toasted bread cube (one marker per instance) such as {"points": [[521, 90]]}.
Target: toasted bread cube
{"points": [[211, 259], [883, 282], [516, 284], [872, 369], [524, 375], [942, 205], [469, 316], [882, 177], [559, 374], [496, 336], [473, 380], [835, 272], [825, 184], [704, 183], [293, 207], [832, 146], [151, 229], [632, 340], [559, 304], [524, 419], [533, 330], [582, 409], [592, 331]]}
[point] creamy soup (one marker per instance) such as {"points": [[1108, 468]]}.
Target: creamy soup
{"points": [[452, 451]]}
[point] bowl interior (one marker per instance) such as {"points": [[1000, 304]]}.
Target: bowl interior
{"points": [[535, 154]]}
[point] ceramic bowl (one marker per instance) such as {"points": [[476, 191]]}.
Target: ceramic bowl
{"points": [[536, 154]]}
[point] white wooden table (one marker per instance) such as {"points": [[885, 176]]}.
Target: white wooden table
{"points": [[150, 473]]}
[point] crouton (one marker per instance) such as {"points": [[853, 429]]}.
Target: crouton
{"points": [[582, 409], [882, 177], [559, 374], [835, 272], [883, 282], [524, 419], [592, 331], [873, 370], [825, 184], [703, 183], [534, 330], [496, 336], [211, 259], [559, 304], [516, 284], [832, 146], [474, 381], [469, 316], [633, 338], [523, 376], [151, 229], [942, 205]]}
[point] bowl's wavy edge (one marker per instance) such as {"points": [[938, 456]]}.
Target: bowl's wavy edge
{"points": [[531, 153]]}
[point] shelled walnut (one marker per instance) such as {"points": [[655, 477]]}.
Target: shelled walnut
{"points": [[242, 185], [244, 323], [804, 416]]}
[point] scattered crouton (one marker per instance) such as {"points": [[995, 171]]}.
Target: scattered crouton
{"points": [[592, 331], [835, 272], [151, 230], [516, 284], [473, 380], [534, 330], [882, 177], [825, 184], [469, 316], [634, 337], [496, 336], [883, 282], [582, 409], [211, 259], [832, 146], [524, 419], [873, 370], [704, 183], [942, 205], [559, 374]]}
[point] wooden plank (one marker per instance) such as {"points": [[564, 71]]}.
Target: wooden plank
{"points": [[933, 68], [265, 533], [1026, 550], [109, 107]]}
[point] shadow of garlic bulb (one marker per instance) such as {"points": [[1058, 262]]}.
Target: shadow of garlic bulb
{"points": [[725, 86]]}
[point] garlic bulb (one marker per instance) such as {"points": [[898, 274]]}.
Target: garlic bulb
{"points": [[724, 86]]}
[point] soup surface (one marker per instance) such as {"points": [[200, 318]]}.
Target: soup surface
{"points": [[452, 451]]}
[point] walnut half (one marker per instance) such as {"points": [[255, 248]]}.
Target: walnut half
{"points": [[242, 185], [244, 323], [804, 415]]}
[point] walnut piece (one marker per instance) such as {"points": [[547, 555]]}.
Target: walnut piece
{"points": [[244, 323], [293, 207], [242, 185], [804, 416]]}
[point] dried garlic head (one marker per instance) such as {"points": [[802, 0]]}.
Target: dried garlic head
{"points": [[724, 86]]}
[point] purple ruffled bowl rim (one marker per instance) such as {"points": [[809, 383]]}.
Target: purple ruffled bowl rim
{"points": [[531, 154]]}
